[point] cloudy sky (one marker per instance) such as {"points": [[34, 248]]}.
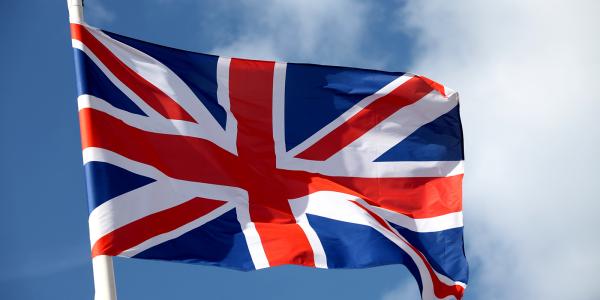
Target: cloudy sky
{"points": [[525, 70]]}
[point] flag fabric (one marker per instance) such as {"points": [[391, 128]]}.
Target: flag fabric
{"points": [[249, 164]]}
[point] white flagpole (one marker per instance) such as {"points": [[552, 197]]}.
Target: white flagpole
{"points": [[104, 278], [75, 11], [104, 274]]}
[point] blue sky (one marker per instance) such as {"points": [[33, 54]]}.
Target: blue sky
{"points": [[526, 73]]}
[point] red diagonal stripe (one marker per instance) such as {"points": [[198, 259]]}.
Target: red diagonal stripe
{"points": [[140, 230], [371, 115], [152, 95], [434, 85], [440, 289], [375, 216]]}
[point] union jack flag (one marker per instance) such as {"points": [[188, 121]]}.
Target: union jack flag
{"points": [[249, 164]]}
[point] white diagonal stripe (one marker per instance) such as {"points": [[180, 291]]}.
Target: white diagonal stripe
{"points": [[348, 114], [160, 125], [397, 127], [433, 224], [162, 194], [167, 81], [338, 206], [173, 234], [160, 76], [149, 111]]}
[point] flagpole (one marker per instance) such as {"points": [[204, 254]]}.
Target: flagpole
{"points": [[75, 11], [104, 278], [102, 265]]}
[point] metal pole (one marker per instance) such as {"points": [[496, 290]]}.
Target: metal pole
{"points": [[104, 278], [75, 11], [104, 274]]}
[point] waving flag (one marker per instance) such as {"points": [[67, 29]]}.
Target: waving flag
{"points": [[250, 164]]}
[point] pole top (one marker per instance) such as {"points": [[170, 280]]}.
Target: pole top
{"points": [[75, 2], [75, 11]]}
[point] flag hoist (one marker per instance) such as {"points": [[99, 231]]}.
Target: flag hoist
{"points": [[104, 276]]}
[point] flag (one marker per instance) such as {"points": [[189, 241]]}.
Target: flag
{"points": [[249, 164]]}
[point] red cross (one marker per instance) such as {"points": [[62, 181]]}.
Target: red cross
{"points": [[194, 159], [251, 91], [254, 168]]}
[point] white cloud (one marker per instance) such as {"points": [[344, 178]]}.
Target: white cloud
{"points": [[318, 30], [527, 73]]}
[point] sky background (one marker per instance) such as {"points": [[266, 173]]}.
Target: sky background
{"points": [[527, 72]]}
